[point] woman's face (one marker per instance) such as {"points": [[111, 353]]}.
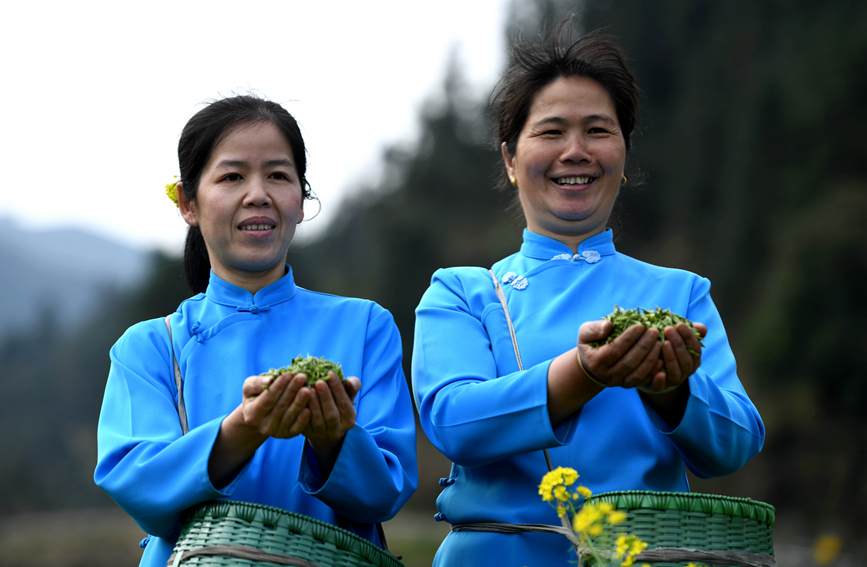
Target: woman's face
{"points": [[248, 204], [569, 160]]}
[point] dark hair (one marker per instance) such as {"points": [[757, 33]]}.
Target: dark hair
{"points": [[536, 64], [202, 133]]}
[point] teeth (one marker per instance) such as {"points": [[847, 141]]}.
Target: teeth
{"points": [[572, 180], [256, 227]]}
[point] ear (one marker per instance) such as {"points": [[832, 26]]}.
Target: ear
{"points": [[508, 160], [301, 211], [187, 208]]}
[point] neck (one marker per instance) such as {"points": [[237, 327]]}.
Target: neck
{"points": [[572, 240], [251, 281]]}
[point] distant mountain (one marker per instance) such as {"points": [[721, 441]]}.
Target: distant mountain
{"points": [[57, 276]]}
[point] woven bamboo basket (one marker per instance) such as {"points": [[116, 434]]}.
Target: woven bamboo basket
{"points": [[223, 533], [682, 528]]}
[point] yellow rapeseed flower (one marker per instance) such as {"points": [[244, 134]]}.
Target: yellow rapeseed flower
{"points": [[587, 516], [627, 548], [554, 482], [826, 549], [622, 544], [584, 491], [569, 476], [616, 516]]}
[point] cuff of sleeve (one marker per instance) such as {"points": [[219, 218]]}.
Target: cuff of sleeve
{"points": [[230, 488], [309, 476], [697, 399], [565, 430]]}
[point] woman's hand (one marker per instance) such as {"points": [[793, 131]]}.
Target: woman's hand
{"points": [[332, 414], [276, 407], [271, 407], [681, 355], [629, 361], [633, 362]]}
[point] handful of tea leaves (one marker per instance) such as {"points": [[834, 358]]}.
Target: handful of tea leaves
{"points": [[659, 318], [315, 368]]}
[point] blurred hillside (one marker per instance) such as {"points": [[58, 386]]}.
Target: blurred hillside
{"points": [[752, 156], [59, 274]]}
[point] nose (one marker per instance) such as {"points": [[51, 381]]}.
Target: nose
{"points": [[575, 150], [257, 194]]}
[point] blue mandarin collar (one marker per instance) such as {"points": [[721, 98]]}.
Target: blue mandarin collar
{"points": [[222, 292], [541, 247]]}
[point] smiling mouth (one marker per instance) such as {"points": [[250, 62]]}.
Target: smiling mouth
{"points": [[252, 227], [581, 180]]}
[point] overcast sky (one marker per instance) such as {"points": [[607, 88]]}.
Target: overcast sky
{"points": [[95, 94]]}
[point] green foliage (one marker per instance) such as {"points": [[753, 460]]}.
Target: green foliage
{"points": [[437, 208], [314, 368], [658, 318], [48, 462]]}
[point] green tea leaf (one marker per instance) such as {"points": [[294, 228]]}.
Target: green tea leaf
{"points": [[622, 319], [314, 368]]}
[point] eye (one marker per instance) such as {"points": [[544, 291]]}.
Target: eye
{"points": [[279, 175], [551, 133], [232, 177]]}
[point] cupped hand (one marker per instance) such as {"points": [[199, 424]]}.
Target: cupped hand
{"points": [[631, 360], [332, 412], [681, 357], [277, 407]]}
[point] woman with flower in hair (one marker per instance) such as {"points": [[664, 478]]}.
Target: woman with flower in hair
{"points": [[340, 452], [508, 362]]}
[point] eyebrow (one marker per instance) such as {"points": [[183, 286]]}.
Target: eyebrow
{"points": [[230, 163], [556, 120]]}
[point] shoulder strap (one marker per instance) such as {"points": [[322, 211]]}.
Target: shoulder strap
{"points": [[182, 410], [502, 297]]}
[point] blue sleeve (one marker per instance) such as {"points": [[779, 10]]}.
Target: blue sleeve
{"points": [[376, 470], [721, 428], [144, 461], [470, 414]]}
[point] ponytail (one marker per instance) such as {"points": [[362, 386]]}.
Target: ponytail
{"points": [[197, 264]]}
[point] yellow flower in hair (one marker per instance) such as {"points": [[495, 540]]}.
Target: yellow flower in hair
{"points": [[172, 192]]}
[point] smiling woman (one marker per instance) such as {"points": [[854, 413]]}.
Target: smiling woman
{"points": [[503, 369], [249, 201], [568, 162], [172, 433]]}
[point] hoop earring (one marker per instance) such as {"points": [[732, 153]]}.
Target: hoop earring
{"points": [[513, 181], [311, 196], [622, 183]]}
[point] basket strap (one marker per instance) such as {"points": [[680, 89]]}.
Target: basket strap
{"points": [[240, 552], [720, 558], [381, 532], [500, 528], [179, 382], [502, 297], [564, 519]]}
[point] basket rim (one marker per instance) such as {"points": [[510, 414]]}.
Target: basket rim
{"points": [[698, 502], [369, 550]]}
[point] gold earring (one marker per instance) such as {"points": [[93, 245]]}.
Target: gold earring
{"points": [[622, 183], [514, 181]]}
